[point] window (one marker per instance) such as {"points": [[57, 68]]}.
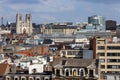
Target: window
{"points": [[102, 71], [16, 79], [74, 73], [102, 66], [112, 54], [101, 60], [105, 77], [67, 72], [58, 72], [111, 60], [23, 79], [113, 66], [37, 79], [7, 78], [20, 18], [30, 78], [64, 53], [101, 47], [113, 47], [101, 54], [34, 70]]}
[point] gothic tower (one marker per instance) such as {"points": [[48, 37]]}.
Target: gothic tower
{"points": [[24, 27]]}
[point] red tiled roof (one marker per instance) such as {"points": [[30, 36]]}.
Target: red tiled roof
{"points": [[27, 53]]}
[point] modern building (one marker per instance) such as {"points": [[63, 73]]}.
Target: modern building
{"points": [[97, 21], [24, 27], [107, 52], [111, 25], [118, 31]]}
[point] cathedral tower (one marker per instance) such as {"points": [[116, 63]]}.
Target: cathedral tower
{"points": [[24, 27]]}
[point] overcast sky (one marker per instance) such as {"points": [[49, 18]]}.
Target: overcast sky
{"points": [[45, 11]]}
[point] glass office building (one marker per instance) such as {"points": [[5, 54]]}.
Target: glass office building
{"points": [[97, 21]]}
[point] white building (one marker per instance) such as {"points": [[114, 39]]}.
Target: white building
{"points": [[36, 68]]}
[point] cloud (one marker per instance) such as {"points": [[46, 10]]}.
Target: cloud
{"points": [[103, 1], [23, 1], [47, 17], [54, 6], [60, 10]]}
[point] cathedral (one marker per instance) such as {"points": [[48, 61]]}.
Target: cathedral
{"points": [[24, 26]]}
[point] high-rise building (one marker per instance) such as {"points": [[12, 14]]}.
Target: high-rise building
{"points": [[97, 21], [110, 25], [107, 52], [24, 26]]}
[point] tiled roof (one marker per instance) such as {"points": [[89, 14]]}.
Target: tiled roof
{"points": [[73, 62], [78, 62], [3, 68]]}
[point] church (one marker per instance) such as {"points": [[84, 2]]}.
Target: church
{"points": [[24, 26]]}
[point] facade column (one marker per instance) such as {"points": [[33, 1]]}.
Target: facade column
{"points": [[61, 73], [77, 72], [83, 72], [94, 72], [88, 73], [55, 71]]}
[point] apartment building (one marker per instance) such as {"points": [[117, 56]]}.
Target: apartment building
{"points": [[107, 52]]}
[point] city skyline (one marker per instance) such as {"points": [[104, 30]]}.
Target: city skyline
{"points": [[46, 11]]}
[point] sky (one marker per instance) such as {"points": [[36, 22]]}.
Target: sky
{"points": [[47, 11]]}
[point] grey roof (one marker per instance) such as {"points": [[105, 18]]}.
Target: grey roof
{"points": [[94, 33], [61, 27], [80, 36], [73, 62]]}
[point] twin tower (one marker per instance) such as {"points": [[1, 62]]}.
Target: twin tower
{"points": [[24, 26]]}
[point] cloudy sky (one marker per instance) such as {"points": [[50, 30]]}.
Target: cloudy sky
{"points": [[45, 11]]}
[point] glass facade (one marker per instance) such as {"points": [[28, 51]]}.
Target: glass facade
{"points": [[98, 22]]}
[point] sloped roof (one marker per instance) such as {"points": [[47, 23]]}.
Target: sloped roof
{"points": [[78, 62], [73, 62], [3, 68]]}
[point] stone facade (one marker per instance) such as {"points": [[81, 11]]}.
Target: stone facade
{"points": [[24, 27]]}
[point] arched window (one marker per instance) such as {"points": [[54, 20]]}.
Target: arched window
{"points": [[37, 79], [74, 73], [31, 79], [16, 78], [82, 72], [67, 72], [7, 78], [23, 78], [24, 31]]}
